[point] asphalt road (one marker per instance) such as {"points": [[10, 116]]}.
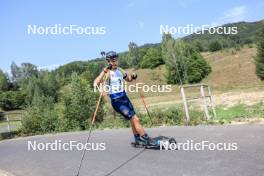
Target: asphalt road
{"points": [[248, 159]]}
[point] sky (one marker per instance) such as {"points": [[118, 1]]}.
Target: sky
{"points": [[122, 21]]}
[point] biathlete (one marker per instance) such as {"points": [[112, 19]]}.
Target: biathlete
{"points": [[119, 99]]}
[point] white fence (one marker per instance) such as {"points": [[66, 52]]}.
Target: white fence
{"points": [[8, 121]]}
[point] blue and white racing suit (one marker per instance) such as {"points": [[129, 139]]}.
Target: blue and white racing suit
{"points": [[119, 99]]}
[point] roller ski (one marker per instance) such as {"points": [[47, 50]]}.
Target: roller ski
{"points": [[153, 143]]}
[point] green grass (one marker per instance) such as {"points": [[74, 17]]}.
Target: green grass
{"points": [[238, 112], [232, 112], [15, 125], [174, 115]]}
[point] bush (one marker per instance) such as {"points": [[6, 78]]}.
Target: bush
{"points": [[40, 117], [152, 58], [11, 100], [45, 83], [184, 64], [73, 112], [170, 116], [259, 60], [4, 84], [198, 69], [215, 46], [78, 103]]}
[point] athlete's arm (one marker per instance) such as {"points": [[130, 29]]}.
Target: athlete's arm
{"points": [[128, 77], [100, 76]]}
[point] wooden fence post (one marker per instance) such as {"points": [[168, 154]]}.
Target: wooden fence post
{"points": [[204, 102], [185, 104], [8, 123], [212, 101]]}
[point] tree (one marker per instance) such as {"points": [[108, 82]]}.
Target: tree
{"points": [[198, 46], [184, 64], [40, 117], [10, 100], [259, 61], [94, 68], [152, 58], [28, 70], [215, 46], [3, 81], [45, 83], [79, 101], [64, 72], [198, 68], [166, 38], [175, 55], [133, 54], [123, 60], [15, 71], [22, 74]]}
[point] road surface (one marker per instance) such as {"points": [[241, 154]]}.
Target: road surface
{"points": [[120, 159]]}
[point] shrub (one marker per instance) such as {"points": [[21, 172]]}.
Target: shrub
{"points": [[11, 100], [79, 101], [152, 58], [40, 117], [197, 69], [215, 46], [184, 64], [259, 61]]}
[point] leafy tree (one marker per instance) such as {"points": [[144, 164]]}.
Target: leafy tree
{"points": [[198, 46], [45, 83], [15, 71], [166, 40], [123, 60], [94, 68], [73, 67], [63, 73], [28, 70], [197, 68], [40, 117], [78, 101], [10, 100], [133, 54], [152, 58], [215, 46], [183, 63], [3, 81], [259, 61], [176, 58], [21, 75]]}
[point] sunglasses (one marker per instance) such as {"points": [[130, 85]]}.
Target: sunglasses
{"points": [[113, 60]]}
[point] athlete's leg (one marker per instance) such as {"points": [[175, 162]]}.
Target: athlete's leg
{"points": [[125, 108], [135, 133], [140, 134], [133, 127], [136, 126]]}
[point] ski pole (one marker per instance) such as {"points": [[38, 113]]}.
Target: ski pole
{"points": [[145, 104], [93, 121]]}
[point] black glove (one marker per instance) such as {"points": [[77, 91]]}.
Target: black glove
{"points": [[134, 76], [109, 67]]}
